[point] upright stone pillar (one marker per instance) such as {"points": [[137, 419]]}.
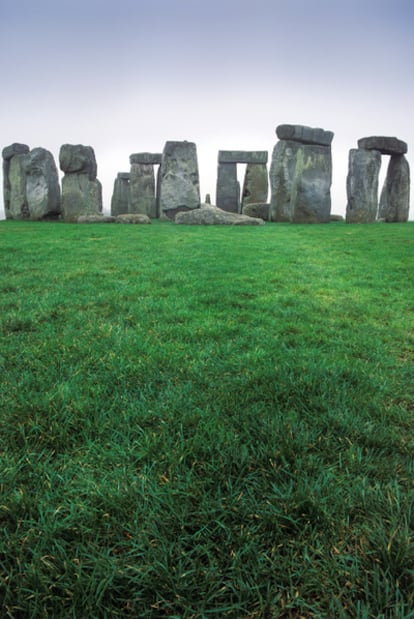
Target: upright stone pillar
{"points": [[256, 184], [362, 185], [81, 190], [301, 175], [42, 185], [228, 188], [142, 183], [395, 195], [14, 181], [179, 184], [120, 201]]}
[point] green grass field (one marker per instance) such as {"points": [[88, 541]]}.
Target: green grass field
{"points": [[206, 422]]}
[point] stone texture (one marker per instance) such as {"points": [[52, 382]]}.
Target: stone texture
{"points": [[14, 185], [76, 158], [385, 145], [304, 135], [259, 209], [80, 196], [300, 179], [228, 189], [256, 184], [145, 158], [96, 219], [121, 196], [362, 185], [42, 185], [14, 149], [142, 190], [395, 196], [132, 218], [335, 217], [209, 215], [179, 179], [242, 156]]}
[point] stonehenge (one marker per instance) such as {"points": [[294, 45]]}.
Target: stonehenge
{"points": [[301, 175], [165, 184], [255, 186], [362, 181]]}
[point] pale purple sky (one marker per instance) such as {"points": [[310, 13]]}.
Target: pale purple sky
{"points": [[127, 76]]}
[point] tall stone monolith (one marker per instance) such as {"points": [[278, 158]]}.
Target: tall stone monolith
{"points": [[362, 185], [228, 189], [120, 200], [42, 185], [395, 196], [301, 175], [256, 184], [142, 190], [81, 190], [179, 179], [14, 181]]}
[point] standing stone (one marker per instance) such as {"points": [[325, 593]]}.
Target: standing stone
{"points": [[256, 184], [42, 185], [179, 184], [142, 190], [395, 195], [228, 188], [121, 195], [81, 190], [300, 179], [362, 185], [14, 181]]}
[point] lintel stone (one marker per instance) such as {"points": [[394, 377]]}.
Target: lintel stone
{"points": [[242, 156], [124, 176], [304, 135], [385, 145], [14, 149], [145, 158]]}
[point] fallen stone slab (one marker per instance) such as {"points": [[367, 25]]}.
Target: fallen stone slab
{"points": [[304, 134], [96, 219], [242, 156], [209, 215], [145, 158], [132, 218], [385, 145], [333, 217], [257, 209]]}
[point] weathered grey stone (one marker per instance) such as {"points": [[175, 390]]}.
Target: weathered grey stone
{"points": [[300, 179], [133, 218], [208, 199], [121, 196], [14, 185], [14, 149], [42, 185], [179, 179], [362, 185], [228, 188], [145, 158], [80, 196], [209, 215], [304, 135], [334, 217], [395, 196], [142, 190], [256, 184], [96, 219], [259, 209], [385, 145], [78, 159], [242, 156]]}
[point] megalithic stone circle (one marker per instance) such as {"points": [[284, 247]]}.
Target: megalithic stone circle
{"points": [[179, 179], [301, 175]]}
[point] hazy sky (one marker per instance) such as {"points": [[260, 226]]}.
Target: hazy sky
{"points": [[127, 76]]}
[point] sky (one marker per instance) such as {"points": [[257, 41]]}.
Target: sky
{"points": [[126, 76]]}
